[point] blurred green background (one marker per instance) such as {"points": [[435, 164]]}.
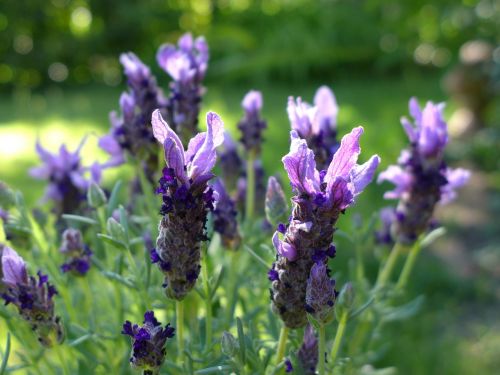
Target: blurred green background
{"points": [[60, 77]]}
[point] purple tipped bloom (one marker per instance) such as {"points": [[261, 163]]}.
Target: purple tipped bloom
{"points": [[275, 204], [186, 201], [422, 178], [320, 294], [131, 132], [187, 65], [308, 352], [67, 186], [32, 296], [288, 365], [148, 343], [225, 214], [316, 124], [230, 163], [251, 125], [78, 254], [387, 218], [319, 200]]}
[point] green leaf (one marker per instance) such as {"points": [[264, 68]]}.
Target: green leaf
{"points": [[80, 339], [213, 370], [80, 219], [241, 340], [405, 311], [362, 308], [113, 242], [254, 254], [113, 198], [432, 236], [217, 282], [119, 278], [6, 355]]}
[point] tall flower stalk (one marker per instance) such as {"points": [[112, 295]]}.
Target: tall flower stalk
{"points": [[422, 179]]}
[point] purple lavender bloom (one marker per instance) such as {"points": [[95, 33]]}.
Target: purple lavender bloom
{"points": [[187, 65], [319, 200], [387, 217], [308, 352], [131, 132], [251, 125], [32, 296], [148, 343], [230, 163], [422, 178], [67, 186], [225, 214], [186, 201], [320, 294], [78, 254], [316, 124]]}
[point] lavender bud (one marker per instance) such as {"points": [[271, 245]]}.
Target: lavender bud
{"points": [[78, 254], [251, 126], [230, 163], [225, 213], [116, 230], [32, 296], [229, 344], [308, 352], [96, 196], [320, 294], [288, 365], [148, 343], [345, 300], [276, 204]]}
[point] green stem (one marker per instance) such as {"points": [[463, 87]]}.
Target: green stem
{"points": [[179, 309], [250, 192], [385, 273], [360, 270], [208, 301], [280, 354], [408, 267], [338, 336], [60, 354], [321, 349]]}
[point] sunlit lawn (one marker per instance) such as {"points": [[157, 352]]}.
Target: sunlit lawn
{"points": [[432, 342]]}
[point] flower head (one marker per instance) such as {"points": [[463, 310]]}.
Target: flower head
{"points": [[32, 296], [275, 204], [148, 342], [225, 221], [308, 352], [422, 178], [251, 125], [186, 200], [319, 200], [230, 163], [186, 63], [67, 185], [316, 124], [78, 254]]}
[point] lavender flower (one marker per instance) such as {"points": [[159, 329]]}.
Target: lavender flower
{"points": [[225, 213], [78, 253], [186, 201], [251, 126], [387, 217], [131, 132], [320, 294], [230, 163], [148, 343], [319, 200], [67, 186], [187, 65], [32, 296], [288, 365], [317, 124], [308, 352], [422, 178]]}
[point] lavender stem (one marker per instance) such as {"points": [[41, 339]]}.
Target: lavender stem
{"points": [[385, 273], [408, 266], [250, 192], [280, 354], [338, 337], [208, 301], [321, 349], [179, 312]]}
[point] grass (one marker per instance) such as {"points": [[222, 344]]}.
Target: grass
{"points": [[449, 336]]}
